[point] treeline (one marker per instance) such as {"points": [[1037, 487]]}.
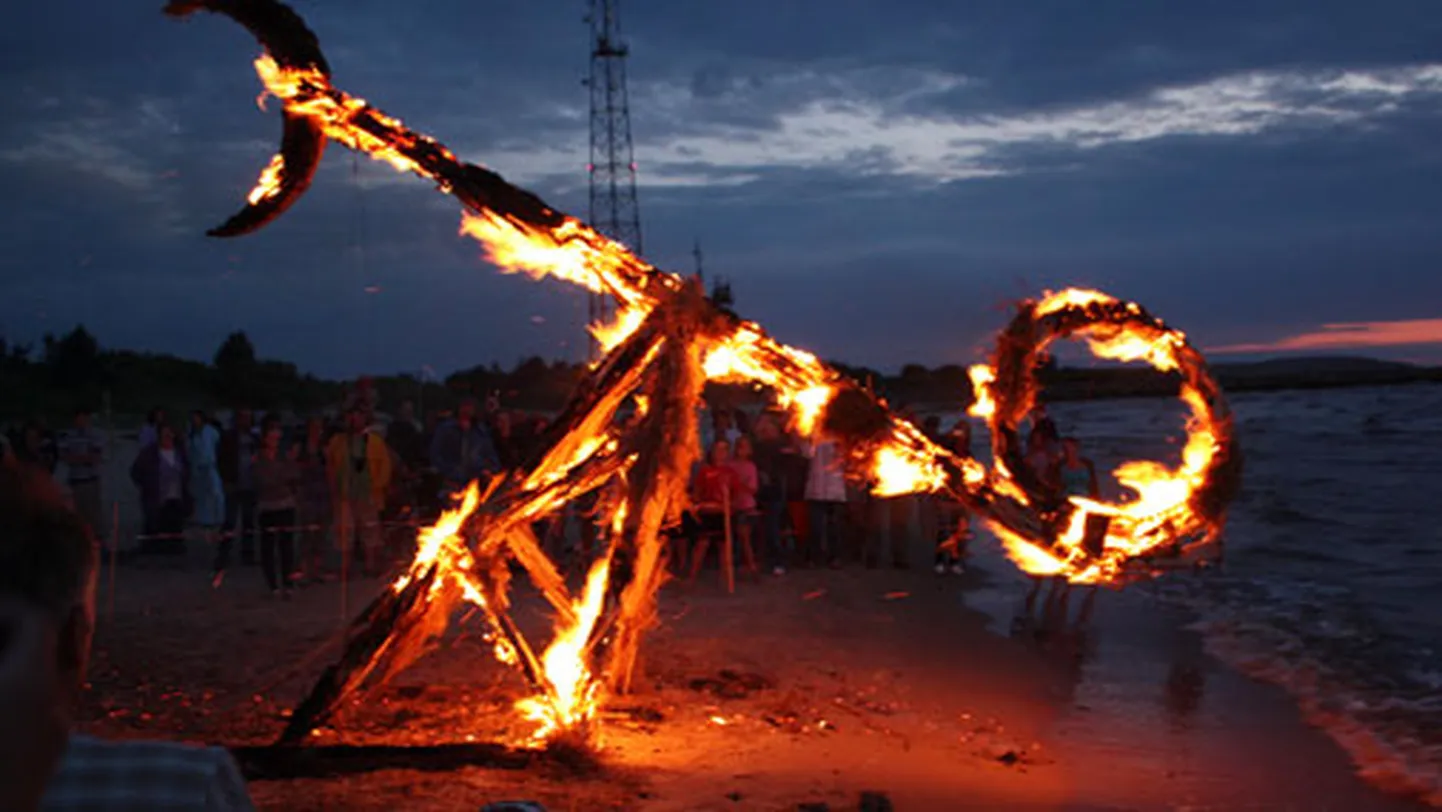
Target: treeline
{"points": [[61, 374], [52, 379]]}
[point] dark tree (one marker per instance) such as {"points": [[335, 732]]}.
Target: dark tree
{"points": [[915, 375], [74, 361], [236, 353], [236, 365]]}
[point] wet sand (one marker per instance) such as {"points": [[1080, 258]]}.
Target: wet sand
{"points": [[808, 688]]}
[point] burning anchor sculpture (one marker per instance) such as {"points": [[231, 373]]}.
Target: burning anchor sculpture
{"points": [[630, 432]]}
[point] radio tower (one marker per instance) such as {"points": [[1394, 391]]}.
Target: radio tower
{"points": [[614, 209]]}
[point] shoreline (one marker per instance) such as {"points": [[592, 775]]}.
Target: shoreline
{"points": [[900, 682]]}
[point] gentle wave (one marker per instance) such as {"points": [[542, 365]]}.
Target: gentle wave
{"points": [[1334, 560], [1349, 679]]}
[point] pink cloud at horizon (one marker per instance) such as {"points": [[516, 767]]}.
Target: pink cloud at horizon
{"points": [[1349, 336]]}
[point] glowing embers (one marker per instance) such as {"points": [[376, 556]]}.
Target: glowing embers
{"points": [[1177, 514]]}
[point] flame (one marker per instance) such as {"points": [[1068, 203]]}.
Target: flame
{"points": [[269, 183], [441, 537], [627, 321], [903, 461], [571, 696], [900, 469], [982, 377], [306, 92], [1160, 511]]}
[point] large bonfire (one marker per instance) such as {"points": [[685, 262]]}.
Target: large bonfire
{"points": [[630, 432]]}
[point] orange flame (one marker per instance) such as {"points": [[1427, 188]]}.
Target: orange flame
{"points": [[572, 695], [905, 461], [269, 183], [1161, 511], [982, 377], [443, 537]]}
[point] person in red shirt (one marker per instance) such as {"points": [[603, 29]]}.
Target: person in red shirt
{"points": [[713, 491], [743, 499]]}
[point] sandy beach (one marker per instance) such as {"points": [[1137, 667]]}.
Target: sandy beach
{"points": [[809, 688]]}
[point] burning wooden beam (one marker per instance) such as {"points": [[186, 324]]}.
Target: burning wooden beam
{"points": [[682, 341]]}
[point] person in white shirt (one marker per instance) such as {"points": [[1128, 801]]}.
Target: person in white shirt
{"points": [[48, 562], [826, 493]]}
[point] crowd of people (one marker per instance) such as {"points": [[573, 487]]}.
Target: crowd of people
{"points": [[760, 482], [269, 486], [317, 497], [302, 497], [790, 493]]}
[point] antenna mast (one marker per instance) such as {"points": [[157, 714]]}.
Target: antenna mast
{"points": [[614, 209]]}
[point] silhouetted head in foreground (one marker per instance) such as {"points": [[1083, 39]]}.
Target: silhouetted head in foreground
{"points": [[48, 560]]}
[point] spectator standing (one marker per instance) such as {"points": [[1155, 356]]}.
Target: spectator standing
{"points": [[206, 490], [405, 439], [826, 495], [462, 450], [161, 473], [150, 432], [313, 501], [37, 447], [954, 534], [711, 491], [84, 456], [277, 479], [359, 465], [233, 457], [743, 499], [503, 437], [771, 449]]}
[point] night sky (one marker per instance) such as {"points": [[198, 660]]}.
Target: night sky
{"points": [[878, 180]]}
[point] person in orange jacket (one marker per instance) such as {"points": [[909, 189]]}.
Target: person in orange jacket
{"points": [[359, 465]]}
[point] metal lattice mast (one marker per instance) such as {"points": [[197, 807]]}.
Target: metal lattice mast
{"points": [[614, 208]]}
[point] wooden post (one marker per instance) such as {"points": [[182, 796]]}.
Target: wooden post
{"points": [[728, 563]]}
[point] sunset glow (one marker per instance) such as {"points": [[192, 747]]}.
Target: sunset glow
{"points": [[1349, 336]]}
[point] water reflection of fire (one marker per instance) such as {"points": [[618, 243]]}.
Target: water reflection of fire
{"points": [[664, 344]]}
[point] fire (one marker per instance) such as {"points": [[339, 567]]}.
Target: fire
{"points": [[269, 183], [307, 92], [1163, 509], [572, 695], [572, 253], [982, 377], [627, 321], [443, 536], [519, 234], [807, 405], [898, 472]]}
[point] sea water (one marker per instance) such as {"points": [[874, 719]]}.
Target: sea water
{"points": [[1332, 582]]}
